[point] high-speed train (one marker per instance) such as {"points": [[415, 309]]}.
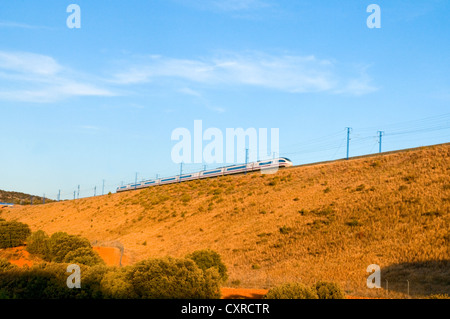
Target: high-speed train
{"points": [[227, 170]]}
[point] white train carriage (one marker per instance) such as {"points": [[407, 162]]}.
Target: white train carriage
{"points": [[227, 170]]}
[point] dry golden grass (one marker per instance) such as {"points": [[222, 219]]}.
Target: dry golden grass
{"points": [[320, 222]]}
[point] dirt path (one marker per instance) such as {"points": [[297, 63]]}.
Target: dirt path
{"points": [[111, 256]]}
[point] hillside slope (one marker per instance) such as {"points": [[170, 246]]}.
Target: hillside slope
{"points": [[21, 198], [321, 222]]}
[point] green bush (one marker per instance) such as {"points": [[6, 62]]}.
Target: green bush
{"points": [[329, 290], [5, 265], [292, 291], [116, 285], [49, 281], [285, 230], [206, 259], [154, 278], [83, 255], [92, 280], [185, 198], [353, 223], [170, 278], [61, 243], [63, 248], [34, 283], [13, 234], [37, 244]]}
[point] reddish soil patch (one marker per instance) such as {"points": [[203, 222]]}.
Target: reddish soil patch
{"points": [[18, 256], [111, 256], [239, 293]]}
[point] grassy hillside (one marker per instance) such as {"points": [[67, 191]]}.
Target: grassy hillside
{"points": [[320, 222], [20, 198]]}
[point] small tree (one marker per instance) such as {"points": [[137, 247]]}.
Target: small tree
{"points": [[35, 283], [37, 243], [329, 290], [61, 243], [13, 234], [206, 259], [116, 285], [83, 255], [170, 278]]}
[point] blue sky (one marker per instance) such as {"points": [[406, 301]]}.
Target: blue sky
{"points": [[79, 106]]}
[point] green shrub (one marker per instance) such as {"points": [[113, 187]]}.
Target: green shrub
{"points": [[185, 198], [353, 223], [61, 243], [155, 278], [329, 290], [13, 234], [292, 291], [92, 281], [375, 164], [206, 259], [83, 255], [285, 230], [116, 285], [170, 278], [63, 248], [39, 282], [37, 244], [49, 281]]}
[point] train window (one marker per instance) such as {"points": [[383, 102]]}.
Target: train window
{"points": [[206, 173], [235, 168], [282, 161]]}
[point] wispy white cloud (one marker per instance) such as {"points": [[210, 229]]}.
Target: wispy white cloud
{"points": [[30, 77], [288, 73], [24, 62]]}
